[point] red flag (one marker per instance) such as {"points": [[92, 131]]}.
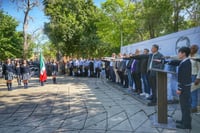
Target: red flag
{"points": [[43, 73]]}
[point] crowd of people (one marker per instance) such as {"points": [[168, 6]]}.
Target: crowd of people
{"points": [[85, 67], [20, 69], [133, 71]]}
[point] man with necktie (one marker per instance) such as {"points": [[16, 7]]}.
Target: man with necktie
{"points": [[154, 61]]}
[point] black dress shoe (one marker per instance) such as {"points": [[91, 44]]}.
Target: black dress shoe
{"points": [[179, 121], [180, 126]]}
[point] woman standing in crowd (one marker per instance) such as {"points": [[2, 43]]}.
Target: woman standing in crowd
{"points": [[25, 71], [54, 70], [18, 72], [8, 70]]}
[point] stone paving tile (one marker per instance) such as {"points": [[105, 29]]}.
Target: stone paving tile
{"points": [[79, 105], [9, 109], [101, 125], [146, 127], [74, 123], [96, 119], [116, 119], [119, 131], [148, 110], [41, 129], [92, 131], [33, 121], [22, 114], [130, 109], [3, 117], [13, 121], [52, 121], [16, 129], [95, 111], [138, 119]]}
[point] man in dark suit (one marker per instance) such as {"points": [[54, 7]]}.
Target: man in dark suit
{"points": [[184, 85], [154, 61]]}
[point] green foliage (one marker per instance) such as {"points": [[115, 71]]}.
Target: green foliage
{"points": [[10, 40], [117, 25], [79, 28], [32, 45], [71, 27], [155, 16], [49, 50]]}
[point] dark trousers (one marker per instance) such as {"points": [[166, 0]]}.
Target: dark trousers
{"points": [[145, 83], [185, 103], [107, 73], [70, 71], [125, 81], [91, 72], [86, 72], [97, 70], [80, 71], [152, 81], [112, 74], [137, 79], [121, 76]]}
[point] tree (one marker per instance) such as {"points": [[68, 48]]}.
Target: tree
{"points": [[192, 13], [10, 39], [49, 50], [117, 25], [26, 6], [155, 16], [71, 27], [179, 13]]}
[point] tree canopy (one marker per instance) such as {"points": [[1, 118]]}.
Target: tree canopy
{"points": [[78, 26], [10, 39], [72, 26]]}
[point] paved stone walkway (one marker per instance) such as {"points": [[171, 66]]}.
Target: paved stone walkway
{"points": [[78, 105]]}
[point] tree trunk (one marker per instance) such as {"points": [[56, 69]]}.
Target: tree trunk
{"points": [[176, 20], [177, 7], [25, 27], [151, 31]]}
